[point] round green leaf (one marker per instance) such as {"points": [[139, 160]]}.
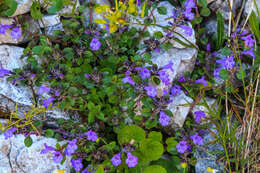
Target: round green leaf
{"points": [[156, 136], [129, 132], [28, 141], [162, 10], [49, 133], [155, 169], [224, 74], [151, 150], [205, 12]]}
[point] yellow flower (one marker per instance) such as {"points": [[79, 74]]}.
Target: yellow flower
{"points": [[59, 171], [184, 165], [209, 169]]}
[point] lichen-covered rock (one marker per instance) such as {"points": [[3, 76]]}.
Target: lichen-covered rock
{"points": [[179, 107], [15, 157], [251, 6], [205, 159], [95, 15]]}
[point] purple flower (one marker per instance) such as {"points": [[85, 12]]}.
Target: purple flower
{"points": [[208, 47], [138, 68], [128, 79], [3, 28], [87, 75], [197, 140], [43, 89], [16, 32], [9, 133], [176, 89], [4, 72], [168, 66], [164, 119], [216, 72], [165, 92], [151, 91], [46, 103], [189, 4], [57, 157], [47, 148], [189, 148], [187, 30], [248, 40], [164, 77], [227, 63], [57, 93], [201, 131], [182, 79], [87, 32], [202, 81], [71, 147], [92, 136], [157, 50], [95, 44], [77, 164], [116, 159], [145, 73], [189, 14], [182, 146], [199, 115], [131, 160], [249, 52]]}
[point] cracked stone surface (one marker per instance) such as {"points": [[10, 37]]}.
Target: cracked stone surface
{"points": [[15, 157], [12, 95]]}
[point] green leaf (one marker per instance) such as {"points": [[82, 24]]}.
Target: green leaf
{"points": [[100, 169], [254, 25], [224, 74], [220, 30], [57, 6], [91, 118], [129, 132], [36, 10], [28, 141], [240, 73], [151, 150], [156, 136], [203, 3], [158, 35], [155, 169], [49, 133], [205, 12], [162, 10], [37, 50], [12, 6], [171, 142]]}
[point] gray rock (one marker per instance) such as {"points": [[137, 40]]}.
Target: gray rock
{"points": [[50, 30], [251, 6], [179, 107], [21, 96], [49, 20], [22, 7], [222, 5], [205, 158], [211, 26], [183, 61], [94, 14], [17, 158]]}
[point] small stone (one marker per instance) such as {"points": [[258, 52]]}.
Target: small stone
{"points": [[22, 7], [49, 20]]}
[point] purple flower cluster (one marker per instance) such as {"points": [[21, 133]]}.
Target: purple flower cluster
{"points": [[199, 115], [145, 73], [4, 72], [92, 136], [43, 89], [197, 140], [9, 133], [57, 157], [116, 159], [151, 91], [202, 81], [182, 146], [95, 44], [164, 119], [71, 147], [227, 63], [164, 77], [16, 32], [46, 103], [131, 160], [128, 79], [47, 148], [77, 164], [248, 40], [175, 90], [249, 52], [189, 5], [187, 30]]}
